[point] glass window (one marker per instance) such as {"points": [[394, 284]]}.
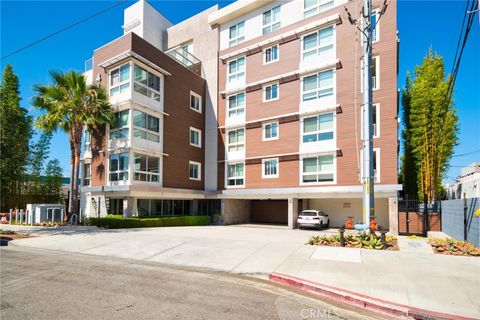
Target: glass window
{"points": [[236, 34], [146, 83], [118, 167], [318, 128], [195, 137], [87, 174], [146, 168], [119, 126], [236, 105], [236, 70], [235, 175], [318, 44], [270, 168], [270, 131], [236, 140], [375, 74], [318, 86], [270, 92], [312, 7], [271, 20], [195, 102], [375, 26], [318, 169], [120, 79], [88, 141], [194, 170], [145, 126], [271, 54]]}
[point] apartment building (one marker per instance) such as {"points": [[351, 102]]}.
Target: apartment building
{"points": [[279, 85]]}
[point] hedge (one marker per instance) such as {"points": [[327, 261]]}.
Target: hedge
{"points": [[118, 223]]}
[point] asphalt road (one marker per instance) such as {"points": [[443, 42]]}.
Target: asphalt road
{"points": [[38, 284]]}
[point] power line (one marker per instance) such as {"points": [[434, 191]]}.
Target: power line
{"points": [[466, 154], [63, 29]]}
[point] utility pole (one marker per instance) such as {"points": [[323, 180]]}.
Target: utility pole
{"points": [[367, 130]]}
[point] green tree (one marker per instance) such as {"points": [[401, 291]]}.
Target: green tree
{"points": [[70, 105], [432, 135], [15, 132], [36, 163], [53, 179]]}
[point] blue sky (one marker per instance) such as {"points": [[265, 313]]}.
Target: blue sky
{"points": [[422, 25]]}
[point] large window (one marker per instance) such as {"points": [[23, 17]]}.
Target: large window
{"points": [[270, 92], [312, 7], [194, 170], [270, 54], [235, 174], [270, 131], [317, 44], [195, 137], [271, 20], [145, 126], [88, 141], [120, 79], [236, 70], [146, 83], [270, 168], [195, 102], [87, 174], [318, 86], [318, 169], [318, 128], [146, 168], [119, 126], [236, 105], [236, 140], [236, 34], [118, 167]]}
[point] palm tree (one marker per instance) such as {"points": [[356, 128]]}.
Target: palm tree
{"points": [[70, 104]]}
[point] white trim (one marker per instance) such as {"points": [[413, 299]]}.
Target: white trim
{"points": [[199, 169], [376, 60], [264, 54], [316, 7], [377, 170], [264, 138], [270, 176], [318, 89], [199, 145], [318, 131], [227, 113], [239, 38], [317, 47], [241, 177], [272, 22], [192, 93], [264, 90], [129, 53]]}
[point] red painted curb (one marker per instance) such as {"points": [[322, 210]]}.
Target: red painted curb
{"points": [[362, 300]]}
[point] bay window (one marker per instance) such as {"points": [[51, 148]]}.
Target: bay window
{"points": [[271, 20], [120, 79], [236, 105], [317, 86], [317, 44], [146, 168], [118, 166], [318, 169], [235, 174], [318, 128], [119, 126], [236, 140], [146, 126], [146, 83]]}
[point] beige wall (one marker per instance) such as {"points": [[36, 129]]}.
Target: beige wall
{"points": [[235, 211]]}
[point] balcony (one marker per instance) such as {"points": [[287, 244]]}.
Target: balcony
{"points": [[186, 59]]}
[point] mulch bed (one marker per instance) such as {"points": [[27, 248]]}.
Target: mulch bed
{"points": [[453, 247]]}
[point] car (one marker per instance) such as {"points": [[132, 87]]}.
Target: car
{"points": [[313, 218]]}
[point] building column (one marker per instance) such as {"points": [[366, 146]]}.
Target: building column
{"points": [[292, 212], [393, 215], [130, 207]]}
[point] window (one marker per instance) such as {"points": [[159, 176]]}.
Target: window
{"points": [[312, 7], [376, 165], [235, 174], [146, 168], [318, 128], [236, 34], [146, 83], [194, 170], [318, 86], [195, 102], [375, 73], [271, 20], [119, 126], [270, 92], [317, 44], [270, 131], [236, 105], [120, 79], [88, 141], [318, 169], [236, 70], [271, 54], [146, 126], [195, 137], [376, 120], [270, 168], [118, 167], [236, 140], [87, 174], [375, 25]]}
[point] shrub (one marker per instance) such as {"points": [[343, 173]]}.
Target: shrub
{"points": [[118, 223]]}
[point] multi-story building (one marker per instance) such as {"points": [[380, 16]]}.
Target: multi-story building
{"points": [[278, 85]]}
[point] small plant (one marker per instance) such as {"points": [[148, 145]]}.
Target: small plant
{"points": [[7, 232], [361, 240], [454, 247]]}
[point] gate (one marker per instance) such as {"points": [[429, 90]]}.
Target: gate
{"points": [[417, 218]]}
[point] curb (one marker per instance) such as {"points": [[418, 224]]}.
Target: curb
{"points": [[361, 300]]}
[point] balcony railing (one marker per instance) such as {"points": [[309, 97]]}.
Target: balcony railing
{"points": [[186, 59]]}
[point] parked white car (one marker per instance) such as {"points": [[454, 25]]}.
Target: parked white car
{"points": [[313, 218]]}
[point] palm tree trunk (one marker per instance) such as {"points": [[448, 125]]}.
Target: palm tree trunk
{"points": [[72, 175], [77, 150]]}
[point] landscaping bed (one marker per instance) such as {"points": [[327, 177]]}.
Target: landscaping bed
{"points": [[119, 222], [9, 235], [360, 240], [453, 247]]}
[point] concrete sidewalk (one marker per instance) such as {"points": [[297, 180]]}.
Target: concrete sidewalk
{"points": [[413, 276]]}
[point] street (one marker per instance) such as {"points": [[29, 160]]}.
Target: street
{"points": [[40, 284]]}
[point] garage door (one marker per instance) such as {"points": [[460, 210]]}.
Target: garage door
{"points": [[269, 211]]}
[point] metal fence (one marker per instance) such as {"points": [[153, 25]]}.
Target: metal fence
{"points": [[417, 218], [460, 221]]}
